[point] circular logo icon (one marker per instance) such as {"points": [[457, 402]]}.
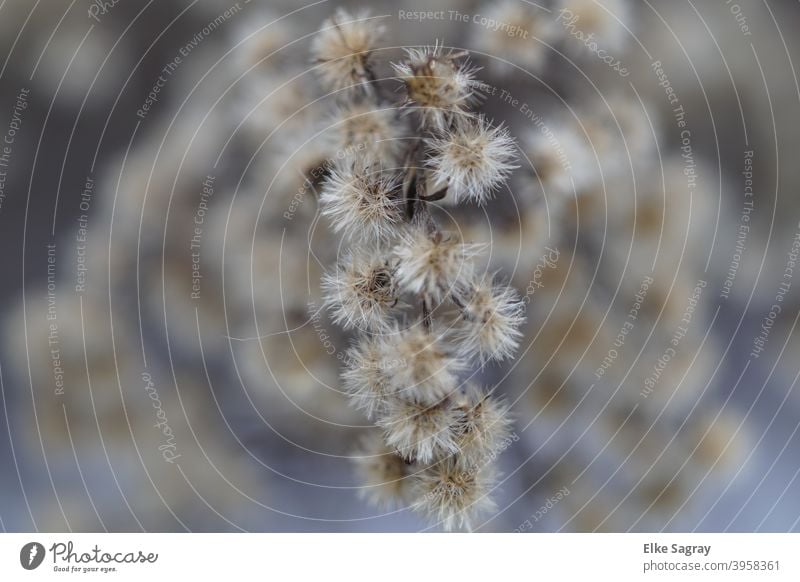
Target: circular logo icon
{"points": [[31, 555]]}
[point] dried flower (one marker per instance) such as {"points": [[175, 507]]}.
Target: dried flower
{"points": [[420, 431], [436, 83], [361, 291], [433, 264], [491, 317], [483, 428], [428, 370], [562, 160], [361, 200], [473, 159], [385, 474], [343, 47], [272, 102], [453, 496], [263, 43], [406, 377]]}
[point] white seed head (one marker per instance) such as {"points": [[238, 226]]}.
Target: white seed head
{"points": [[491, 316], [433, 264], [453, 496], [439, 85], [421, 432], [366, 377], [343, 46], [360, 199], [473, 159], [385, 474], [361, 292], [422, 367]]}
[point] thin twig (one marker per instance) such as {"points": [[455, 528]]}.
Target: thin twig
{"points": [[427, 321], [436, 196]]}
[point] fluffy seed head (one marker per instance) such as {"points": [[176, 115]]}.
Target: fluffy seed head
{"points": [[561, 159], [428, 370], [421, 432], [491, 317], [343, 46], [473, 160], [361, 200], [484, 428], [361, 292], [384, 473], [361, 129], [454, 497], [520, 39], [435, 82], [433, 264]]}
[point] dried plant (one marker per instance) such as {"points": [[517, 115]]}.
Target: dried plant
{"points": [[603, 204], [403, 274]]}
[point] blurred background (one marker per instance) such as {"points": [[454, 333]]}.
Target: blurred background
{"points": [[164, 365]]}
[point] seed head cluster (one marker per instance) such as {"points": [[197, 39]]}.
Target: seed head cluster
{"points": [[422, 313]]}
